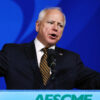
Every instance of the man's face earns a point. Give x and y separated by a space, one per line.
50 28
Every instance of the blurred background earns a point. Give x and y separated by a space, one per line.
81 34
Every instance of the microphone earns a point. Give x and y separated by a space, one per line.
51 58
52 62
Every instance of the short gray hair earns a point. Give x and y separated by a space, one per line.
43 13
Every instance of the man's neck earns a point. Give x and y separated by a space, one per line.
46 46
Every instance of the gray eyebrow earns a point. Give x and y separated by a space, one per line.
58 22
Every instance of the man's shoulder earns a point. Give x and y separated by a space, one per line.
15 45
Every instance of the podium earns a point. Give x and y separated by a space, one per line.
49 94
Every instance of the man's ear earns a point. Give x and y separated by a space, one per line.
37 25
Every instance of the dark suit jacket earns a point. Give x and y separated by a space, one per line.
18 64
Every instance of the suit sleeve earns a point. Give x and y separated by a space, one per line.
86 78
3 61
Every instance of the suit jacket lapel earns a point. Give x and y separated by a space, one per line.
31 54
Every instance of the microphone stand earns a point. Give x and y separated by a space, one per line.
52 62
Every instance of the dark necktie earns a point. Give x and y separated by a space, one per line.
44 68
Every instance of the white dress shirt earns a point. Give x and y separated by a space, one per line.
39 53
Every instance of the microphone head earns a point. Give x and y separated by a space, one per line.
51 52
51 58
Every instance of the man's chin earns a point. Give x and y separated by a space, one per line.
52 43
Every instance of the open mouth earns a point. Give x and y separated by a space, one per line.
53 36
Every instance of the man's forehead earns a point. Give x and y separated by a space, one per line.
56 11
54 14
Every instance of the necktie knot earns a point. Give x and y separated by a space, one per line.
45 50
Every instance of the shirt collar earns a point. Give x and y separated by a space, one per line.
39 46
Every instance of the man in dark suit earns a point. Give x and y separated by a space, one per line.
20 63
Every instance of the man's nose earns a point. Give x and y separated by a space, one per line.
55 27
